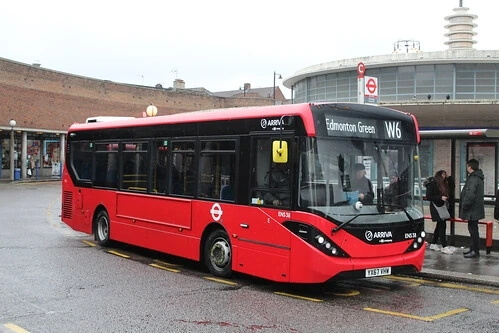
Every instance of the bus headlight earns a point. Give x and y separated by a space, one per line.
320 239
417 242
315 238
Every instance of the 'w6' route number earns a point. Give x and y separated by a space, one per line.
393 130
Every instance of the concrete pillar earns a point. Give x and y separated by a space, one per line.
63 151
12 154
24 154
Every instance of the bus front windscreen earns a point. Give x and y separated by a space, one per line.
336 174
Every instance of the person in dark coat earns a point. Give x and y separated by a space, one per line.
391 192
471 205
362 184
496 206
437 191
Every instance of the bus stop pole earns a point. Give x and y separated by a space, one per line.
456 182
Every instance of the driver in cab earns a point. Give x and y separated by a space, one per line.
362 184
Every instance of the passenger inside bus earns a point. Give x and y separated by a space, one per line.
227 191
391 191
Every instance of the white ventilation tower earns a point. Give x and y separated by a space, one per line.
460 28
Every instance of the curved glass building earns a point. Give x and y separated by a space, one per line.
409 75
453 93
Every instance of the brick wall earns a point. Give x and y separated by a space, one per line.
45 99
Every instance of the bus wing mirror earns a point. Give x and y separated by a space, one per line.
287 120
341 163
280 151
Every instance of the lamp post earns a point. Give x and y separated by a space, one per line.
151 110
273 92
12 123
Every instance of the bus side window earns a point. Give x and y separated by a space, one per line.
182 174
160 167
135 166
106 165
82 160
217 164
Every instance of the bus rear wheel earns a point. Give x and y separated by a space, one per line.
218 254
101 229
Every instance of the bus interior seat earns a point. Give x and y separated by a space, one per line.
313 195
227 193
337 193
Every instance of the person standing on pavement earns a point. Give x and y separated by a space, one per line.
496 207
437 191
471 206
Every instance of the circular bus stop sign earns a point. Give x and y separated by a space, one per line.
361 70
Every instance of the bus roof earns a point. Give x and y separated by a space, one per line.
302 110
99 119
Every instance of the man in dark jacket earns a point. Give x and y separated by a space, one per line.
496 206
362 184
471 206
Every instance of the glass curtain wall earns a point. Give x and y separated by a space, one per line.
434 82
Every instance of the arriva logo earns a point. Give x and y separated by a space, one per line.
270 122
377 235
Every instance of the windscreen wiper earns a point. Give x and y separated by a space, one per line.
409 217
345 223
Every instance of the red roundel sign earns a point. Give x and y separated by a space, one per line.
361 70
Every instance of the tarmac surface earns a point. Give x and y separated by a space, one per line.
483 270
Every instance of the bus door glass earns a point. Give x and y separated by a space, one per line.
270 181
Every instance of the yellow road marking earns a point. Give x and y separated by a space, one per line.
346 293
232 283
166 263
116 253
428 318
444 284
407 279
482 290
36 182
447 314
89 243
164 268
310 299
495 302
15 328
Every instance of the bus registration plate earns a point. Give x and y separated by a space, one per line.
371 272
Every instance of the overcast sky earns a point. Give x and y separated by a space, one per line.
221 44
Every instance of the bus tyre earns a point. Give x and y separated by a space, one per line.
218 254
102 228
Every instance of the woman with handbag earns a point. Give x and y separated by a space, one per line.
437 192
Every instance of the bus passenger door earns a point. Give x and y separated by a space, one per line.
263 242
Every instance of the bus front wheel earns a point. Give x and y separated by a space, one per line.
102 228
218 254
